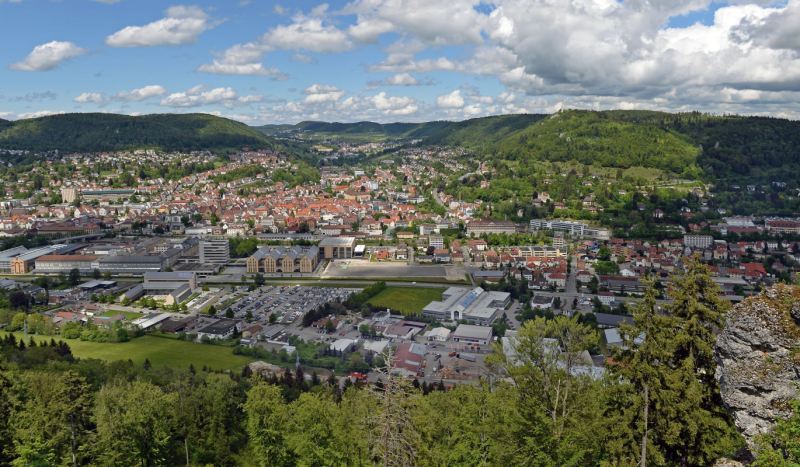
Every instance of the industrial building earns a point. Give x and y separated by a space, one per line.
475 306
131 264
172 287
54 264
169 280
471 334
270 259
21 260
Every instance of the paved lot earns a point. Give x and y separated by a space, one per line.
363 268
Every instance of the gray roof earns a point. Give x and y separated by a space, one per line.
607 319
337 242
473 332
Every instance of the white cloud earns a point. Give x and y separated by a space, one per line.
321 93
392 105
134 95
90 97
181 25
402 79
48 56
307 33
443 22
451 100
310 33
199 96
242 59
142 93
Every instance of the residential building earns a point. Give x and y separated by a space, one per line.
478 228
698 242
575 229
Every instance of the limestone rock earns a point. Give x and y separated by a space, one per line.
758 359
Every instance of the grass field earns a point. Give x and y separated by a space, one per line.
160 351
406 300
129 315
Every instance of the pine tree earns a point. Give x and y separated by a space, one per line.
667 408
640 364
696 429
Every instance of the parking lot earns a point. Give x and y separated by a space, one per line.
286 303
363 268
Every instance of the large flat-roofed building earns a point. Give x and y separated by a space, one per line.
155 281
24 262
283 260
622 284
475 306
698 241
471 334
215 251
131 264
538 251
7 255
66 229
108 194
222 329
478 228
575 229
64 263
337 247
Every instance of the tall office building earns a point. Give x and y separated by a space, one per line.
215 251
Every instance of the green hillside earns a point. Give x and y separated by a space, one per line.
716 148
92 132
692 145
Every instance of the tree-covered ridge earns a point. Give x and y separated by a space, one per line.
93 132
598 138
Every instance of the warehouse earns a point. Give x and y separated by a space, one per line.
469 334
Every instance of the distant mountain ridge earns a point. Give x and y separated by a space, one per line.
93 132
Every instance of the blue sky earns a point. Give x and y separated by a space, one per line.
397 60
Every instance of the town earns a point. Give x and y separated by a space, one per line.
272 255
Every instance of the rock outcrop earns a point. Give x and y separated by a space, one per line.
758 359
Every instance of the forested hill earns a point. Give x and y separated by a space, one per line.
690 144
92 132
716 147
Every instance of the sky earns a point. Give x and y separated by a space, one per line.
262 62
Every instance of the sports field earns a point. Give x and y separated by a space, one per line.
406 300
161 351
